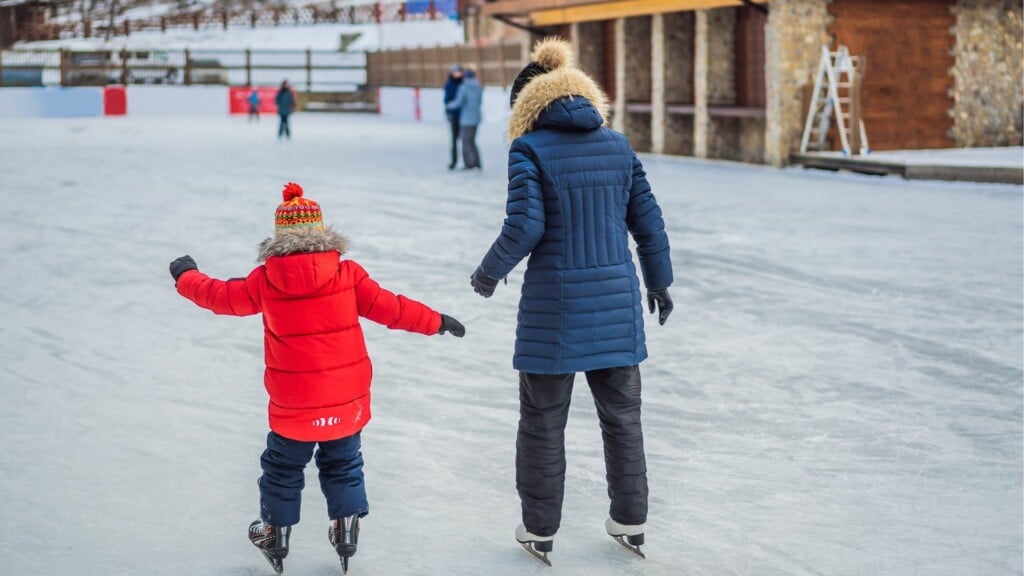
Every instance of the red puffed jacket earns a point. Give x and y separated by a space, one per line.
317 368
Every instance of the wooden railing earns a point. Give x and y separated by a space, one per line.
495 65
275 16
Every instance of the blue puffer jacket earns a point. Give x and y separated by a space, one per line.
575 191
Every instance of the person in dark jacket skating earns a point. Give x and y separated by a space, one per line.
286 102
451 88
576 190
317 372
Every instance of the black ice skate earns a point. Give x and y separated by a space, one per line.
538 546
272 541
630 536
344 536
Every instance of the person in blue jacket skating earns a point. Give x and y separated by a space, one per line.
576 191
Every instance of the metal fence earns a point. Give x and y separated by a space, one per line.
309 70
261 17
495 65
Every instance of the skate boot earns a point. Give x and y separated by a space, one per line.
629 535
538 546
272 541
344 536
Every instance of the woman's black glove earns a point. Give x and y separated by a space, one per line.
181 265
664 302
482 285
452 326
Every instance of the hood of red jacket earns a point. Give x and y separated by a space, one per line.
301 261
302 274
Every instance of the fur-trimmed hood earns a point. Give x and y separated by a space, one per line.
303 241
561 81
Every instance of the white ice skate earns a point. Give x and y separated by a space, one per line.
538 546
629 535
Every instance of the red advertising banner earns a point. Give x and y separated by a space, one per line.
239 96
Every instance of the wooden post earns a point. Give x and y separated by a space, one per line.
480 64
248 67
195 20
127 28
224 19
163 24
501 63
188 67
442 74
1 67
63 67
87 28
309 70
252 19
124 66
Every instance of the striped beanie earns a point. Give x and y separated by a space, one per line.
296 212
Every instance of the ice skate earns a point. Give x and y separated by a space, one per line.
344 536
630 536
272 541
538 546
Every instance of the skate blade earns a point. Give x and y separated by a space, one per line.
275 563
542 556
634 549
344 565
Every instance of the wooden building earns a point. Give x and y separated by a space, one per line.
732 78
17 16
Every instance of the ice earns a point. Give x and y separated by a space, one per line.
838 391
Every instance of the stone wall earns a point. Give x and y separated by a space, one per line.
794 34
679 57
721 56
988 101
638 80
588 41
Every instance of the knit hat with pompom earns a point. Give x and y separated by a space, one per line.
548 54
296 212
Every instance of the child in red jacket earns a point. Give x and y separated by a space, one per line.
317 368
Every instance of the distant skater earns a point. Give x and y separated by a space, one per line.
451 88
317 371
468 101
254 105
285 101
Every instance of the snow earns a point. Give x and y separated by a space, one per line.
837 392
391 35
1008 157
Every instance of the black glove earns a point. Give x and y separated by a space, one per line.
451 325
664 302
182 265
482 285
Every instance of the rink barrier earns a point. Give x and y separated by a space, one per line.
79 102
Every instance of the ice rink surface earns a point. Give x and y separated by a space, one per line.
837 393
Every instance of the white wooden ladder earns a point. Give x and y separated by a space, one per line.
836 92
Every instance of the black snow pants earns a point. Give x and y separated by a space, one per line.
540 446
453 121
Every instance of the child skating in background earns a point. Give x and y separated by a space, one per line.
317 368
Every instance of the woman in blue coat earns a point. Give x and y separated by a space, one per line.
576 190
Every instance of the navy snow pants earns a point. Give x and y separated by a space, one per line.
540 445
341 478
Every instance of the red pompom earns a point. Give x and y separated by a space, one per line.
292 190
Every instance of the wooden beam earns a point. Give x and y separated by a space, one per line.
524 7
624 9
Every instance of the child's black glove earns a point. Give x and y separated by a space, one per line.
449 324
482 285
181 265
664 302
